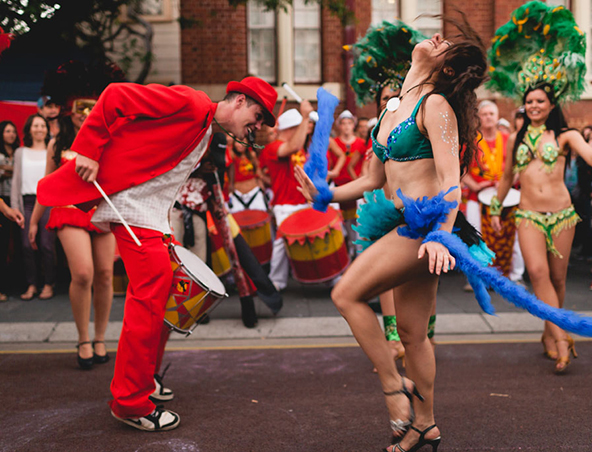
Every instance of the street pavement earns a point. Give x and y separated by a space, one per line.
307 315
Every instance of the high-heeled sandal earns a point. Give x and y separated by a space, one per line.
399 425
563 362
548 353
99 359
421 442
84 363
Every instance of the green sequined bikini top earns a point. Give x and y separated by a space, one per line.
528 150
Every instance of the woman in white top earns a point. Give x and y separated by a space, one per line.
29 168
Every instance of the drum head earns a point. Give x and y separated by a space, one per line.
246 218
308 222
199 270
512 198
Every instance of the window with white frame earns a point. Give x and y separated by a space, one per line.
262 42
425 23
385 10
307 42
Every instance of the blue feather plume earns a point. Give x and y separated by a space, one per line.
517 295
424 215
316 164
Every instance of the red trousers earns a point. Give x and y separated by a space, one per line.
143 336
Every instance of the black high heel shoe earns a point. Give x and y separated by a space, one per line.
84 363
399 425
421 442
99 359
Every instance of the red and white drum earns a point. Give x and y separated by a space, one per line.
255 227
195 291
315 245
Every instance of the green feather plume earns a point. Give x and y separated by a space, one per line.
540 44
382 57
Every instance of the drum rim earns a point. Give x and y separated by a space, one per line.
192 275
314 233
266 220
512 191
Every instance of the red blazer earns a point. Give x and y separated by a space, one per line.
136 133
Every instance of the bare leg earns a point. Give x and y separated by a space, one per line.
537 261
558 272
372 273
415 301
77 247
103 253
387 307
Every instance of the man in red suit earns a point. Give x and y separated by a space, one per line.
140 143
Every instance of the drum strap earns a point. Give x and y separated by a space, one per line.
247 204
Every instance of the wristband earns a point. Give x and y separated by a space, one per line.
495 209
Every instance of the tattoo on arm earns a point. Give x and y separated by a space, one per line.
449 135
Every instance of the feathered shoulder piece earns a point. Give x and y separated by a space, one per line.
382 57
540 45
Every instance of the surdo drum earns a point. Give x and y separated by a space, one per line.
195 291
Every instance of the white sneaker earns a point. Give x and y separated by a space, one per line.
159 420
161 394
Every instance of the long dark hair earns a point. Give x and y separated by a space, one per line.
467 58
14 145
556 120
27 137
64 138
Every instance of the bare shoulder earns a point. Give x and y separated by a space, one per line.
437 101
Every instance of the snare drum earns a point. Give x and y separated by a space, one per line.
195 291
315 245
502 243
255 227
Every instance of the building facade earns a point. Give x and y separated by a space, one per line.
303 45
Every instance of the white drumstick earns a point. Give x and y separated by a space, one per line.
292 93
104 195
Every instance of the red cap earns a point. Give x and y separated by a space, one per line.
259 90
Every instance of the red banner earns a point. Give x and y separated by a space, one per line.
17 112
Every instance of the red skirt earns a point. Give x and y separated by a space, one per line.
71 216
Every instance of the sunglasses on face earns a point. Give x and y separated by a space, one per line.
83 106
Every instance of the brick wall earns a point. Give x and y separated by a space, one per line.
333 53
215 51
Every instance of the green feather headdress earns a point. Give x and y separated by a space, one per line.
382 58
540 44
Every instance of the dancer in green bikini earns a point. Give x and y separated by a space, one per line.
540 149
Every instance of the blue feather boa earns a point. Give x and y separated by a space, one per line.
316 164
422 219
425 215
479 276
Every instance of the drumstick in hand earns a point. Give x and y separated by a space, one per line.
104 195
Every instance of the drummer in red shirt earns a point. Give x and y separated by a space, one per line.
280 157
125 144
355 150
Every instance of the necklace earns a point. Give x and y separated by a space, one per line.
250 138
395 102
533 136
